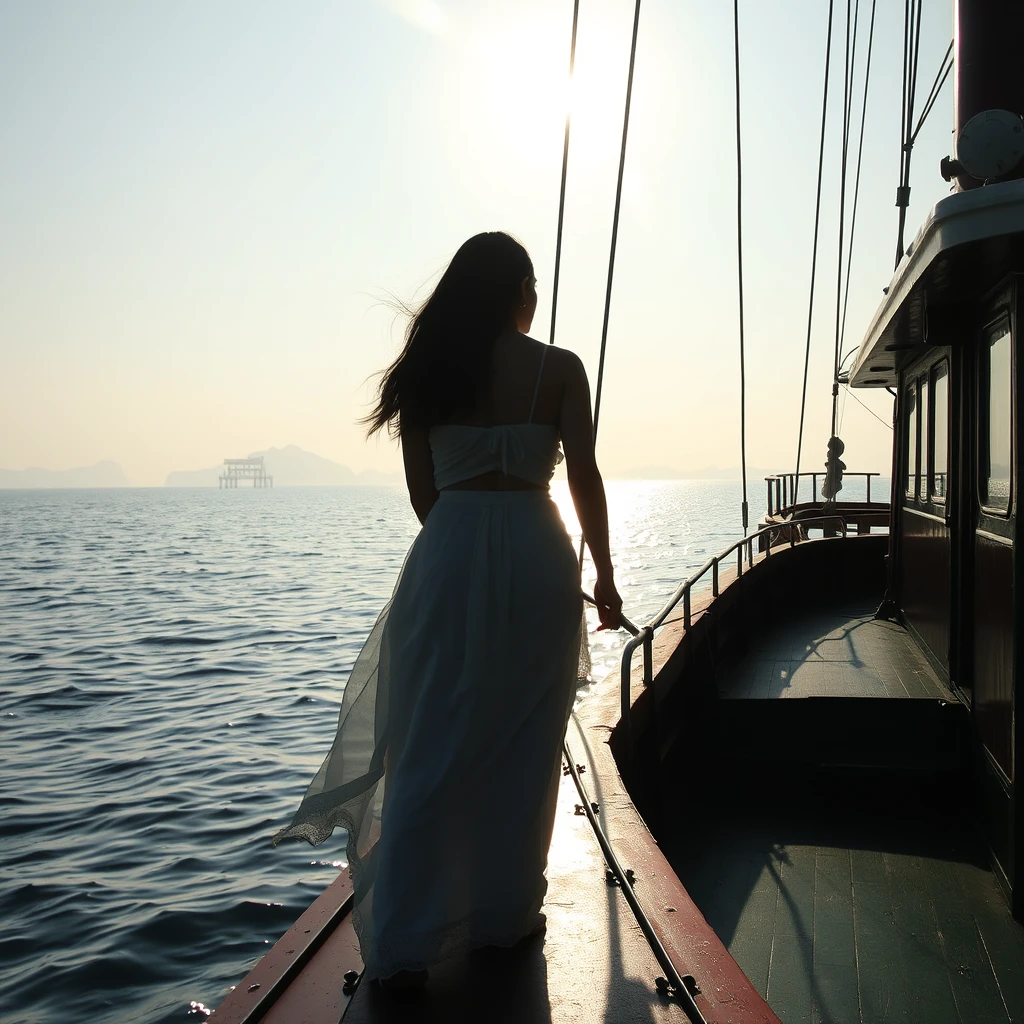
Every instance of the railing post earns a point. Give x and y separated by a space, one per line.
739 561
869 488
686 608
648 658
714 577
770 510
624 695
814 486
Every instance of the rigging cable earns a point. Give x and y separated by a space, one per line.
940 80
615 219
911 52
856 186
565 168
739 263
860 155
615 236
814 249
850 392
847 91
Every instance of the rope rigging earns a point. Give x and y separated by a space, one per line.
565 168
911 51
615 219
933 94
615 235
856 185
847 102
739 263
814 248
845 246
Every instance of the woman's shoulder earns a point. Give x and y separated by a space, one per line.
562 358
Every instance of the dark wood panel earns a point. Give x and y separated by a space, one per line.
925 583
993 647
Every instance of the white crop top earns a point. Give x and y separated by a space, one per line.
526 450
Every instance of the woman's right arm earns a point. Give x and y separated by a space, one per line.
576 425
419 470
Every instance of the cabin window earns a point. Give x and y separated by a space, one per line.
996 432
940 433
924 410
911 481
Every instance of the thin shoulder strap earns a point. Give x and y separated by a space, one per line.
536 389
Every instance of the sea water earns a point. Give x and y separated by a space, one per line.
171 665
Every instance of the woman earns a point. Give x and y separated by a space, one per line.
461 695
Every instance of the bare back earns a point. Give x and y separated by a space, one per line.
527 384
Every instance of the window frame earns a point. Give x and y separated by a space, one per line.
939 369
997 326
912 434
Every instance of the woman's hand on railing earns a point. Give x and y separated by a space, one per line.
609 604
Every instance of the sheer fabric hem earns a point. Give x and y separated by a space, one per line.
459 937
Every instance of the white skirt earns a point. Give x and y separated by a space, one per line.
445 765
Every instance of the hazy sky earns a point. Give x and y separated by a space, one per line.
202 205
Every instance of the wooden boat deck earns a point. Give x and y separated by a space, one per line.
839 858
832 652
592 964
854 915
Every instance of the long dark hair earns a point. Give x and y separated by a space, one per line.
442 372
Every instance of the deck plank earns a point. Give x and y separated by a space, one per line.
929 994
1002 942
791 970
837 653
834 942
971 974
757 919
882 989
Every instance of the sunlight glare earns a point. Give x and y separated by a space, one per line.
525 89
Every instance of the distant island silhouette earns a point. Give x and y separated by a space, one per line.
103 474
290 466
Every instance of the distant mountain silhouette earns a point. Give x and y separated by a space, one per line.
290 467
103 474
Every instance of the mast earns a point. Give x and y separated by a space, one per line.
988 36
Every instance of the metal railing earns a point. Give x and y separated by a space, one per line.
681 986
783 488
644 635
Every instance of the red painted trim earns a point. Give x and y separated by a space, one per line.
727 995
318 996
253 998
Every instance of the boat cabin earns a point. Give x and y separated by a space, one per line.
944 340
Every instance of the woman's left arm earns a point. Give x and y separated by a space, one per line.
419 470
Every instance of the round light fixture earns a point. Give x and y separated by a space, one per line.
991 144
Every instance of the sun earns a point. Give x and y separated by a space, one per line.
524 92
